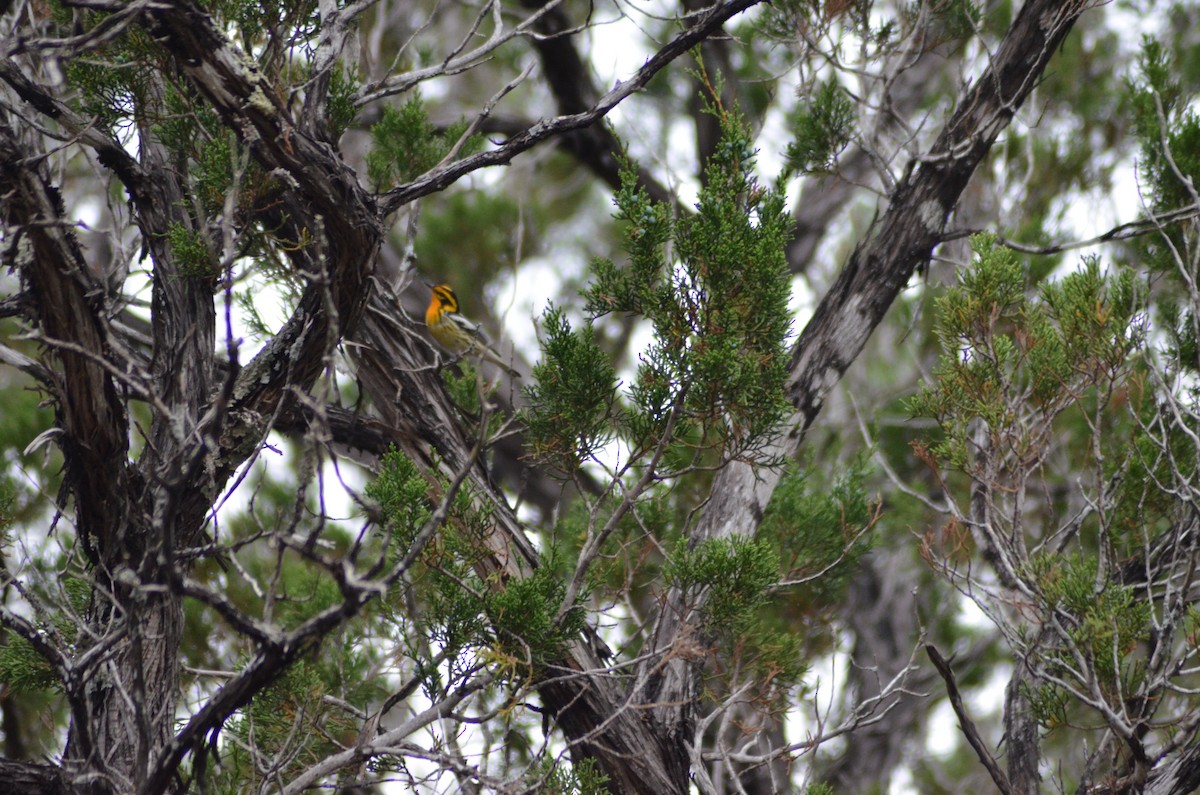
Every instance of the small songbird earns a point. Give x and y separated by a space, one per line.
457 334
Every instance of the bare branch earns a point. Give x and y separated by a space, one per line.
438 179
965 722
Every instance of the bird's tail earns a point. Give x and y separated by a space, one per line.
490 355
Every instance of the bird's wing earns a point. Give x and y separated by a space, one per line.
473 329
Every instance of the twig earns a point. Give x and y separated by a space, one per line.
1124 231
965 723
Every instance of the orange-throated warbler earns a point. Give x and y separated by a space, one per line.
457 334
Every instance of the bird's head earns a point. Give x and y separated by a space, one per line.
444 298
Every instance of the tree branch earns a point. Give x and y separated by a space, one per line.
90 410
574 91
438 179
323 205
21 778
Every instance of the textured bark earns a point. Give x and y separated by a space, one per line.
1021 734
1179 775
111 736
901 242
65 301
325 200
570 82
122 683
822 200
22 778
651 757
130 701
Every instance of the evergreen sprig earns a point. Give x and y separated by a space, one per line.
1005 354
405 144
714 286
514 626
821 129
572 398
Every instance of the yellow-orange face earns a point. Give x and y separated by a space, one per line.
442 301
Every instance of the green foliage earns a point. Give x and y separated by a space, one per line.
406 145
713 377
24 413
79 594
523 618
1106 623
22 668
714 286
341 107
110 91
1048 704
1103 619
257 327
1142 508
570 412
945 19
297 692
580 778
736 574
193 256
1169 131
1168 128
305 592
1037 365
8 501
819 528
256 19
213 169
401 490
471 236
289 720
853 21
632 557
1183 347
468 389
1050 374
1092 323
821 128
514 625
1191 624
1005 354
195 134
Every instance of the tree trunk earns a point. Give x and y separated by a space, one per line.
129 693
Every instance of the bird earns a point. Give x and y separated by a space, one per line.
457 334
